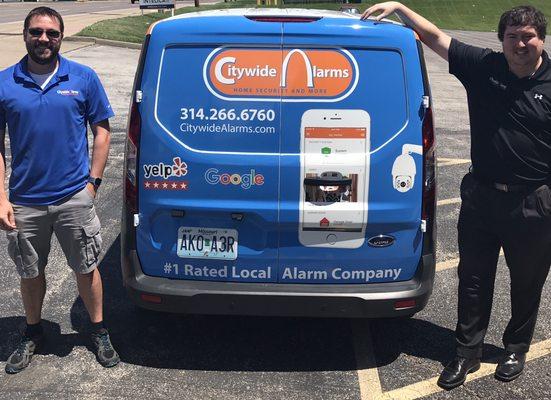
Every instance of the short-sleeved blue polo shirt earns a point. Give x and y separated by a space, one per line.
47 130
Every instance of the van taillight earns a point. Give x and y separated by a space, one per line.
131 162
429 168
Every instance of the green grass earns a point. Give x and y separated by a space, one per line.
133 29
471 15
476 15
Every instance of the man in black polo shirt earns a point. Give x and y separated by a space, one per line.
506 200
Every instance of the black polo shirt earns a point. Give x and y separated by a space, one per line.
510 117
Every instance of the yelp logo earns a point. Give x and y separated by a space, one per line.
213 177
165 171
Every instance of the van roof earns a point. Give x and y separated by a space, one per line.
268 12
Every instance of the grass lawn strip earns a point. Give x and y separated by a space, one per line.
470 15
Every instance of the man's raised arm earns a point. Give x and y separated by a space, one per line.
429 33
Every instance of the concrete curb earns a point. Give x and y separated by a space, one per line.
104 42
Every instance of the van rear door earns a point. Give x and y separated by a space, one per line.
351 166
209 152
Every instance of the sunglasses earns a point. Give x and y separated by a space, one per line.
51 33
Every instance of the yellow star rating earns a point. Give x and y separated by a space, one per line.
165 185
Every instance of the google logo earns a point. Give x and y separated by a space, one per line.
245 181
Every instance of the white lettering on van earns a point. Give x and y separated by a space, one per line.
205 272
296 273
309 78
330 72
227 73
251 273
218 70
365 275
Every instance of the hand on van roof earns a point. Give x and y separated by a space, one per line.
429 33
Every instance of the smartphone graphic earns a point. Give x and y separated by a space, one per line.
334 184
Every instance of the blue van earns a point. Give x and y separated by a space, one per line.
280 162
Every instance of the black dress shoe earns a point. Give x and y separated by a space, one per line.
456 371
510 367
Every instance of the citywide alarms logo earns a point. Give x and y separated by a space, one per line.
274 74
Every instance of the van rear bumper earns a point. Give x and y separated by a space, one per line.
375 300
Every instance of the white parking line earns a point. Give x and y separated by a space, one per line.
444 162
452 263
370 383
444 265
444 202
429 386
368 376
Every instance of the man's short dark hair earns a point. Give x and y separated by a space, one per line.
43 12
522 16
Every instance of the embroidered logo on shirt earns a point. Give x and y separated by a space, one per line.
68 92
497 83
538 96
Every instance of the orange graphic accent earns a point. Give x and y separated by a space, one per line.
340 133
292 73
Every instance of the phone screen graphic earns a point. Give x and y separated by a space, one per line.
334 157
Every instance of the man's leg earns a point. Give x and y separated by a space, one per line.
527 248
77 228
33 291
28 247
479 249
91 291
528 258
478 254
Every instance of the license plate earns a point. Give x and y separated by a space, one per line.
214 243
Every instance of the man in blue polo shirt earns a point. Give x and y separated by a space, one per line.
46 102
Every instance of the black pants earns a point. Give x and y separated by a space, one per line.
520 223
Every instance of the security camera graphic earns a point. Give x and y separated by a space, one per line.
403 169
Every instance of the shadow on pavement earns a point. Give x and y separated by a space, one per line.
230 343
55 343
418 338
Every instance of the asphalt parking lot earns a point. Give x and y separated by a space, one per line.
212 357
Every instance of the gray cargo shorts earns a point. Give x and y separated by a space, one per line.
75 224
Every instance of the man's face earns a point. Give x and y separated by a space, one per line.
43 39
522 47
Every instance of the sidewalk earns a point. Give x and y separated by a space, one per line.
13 47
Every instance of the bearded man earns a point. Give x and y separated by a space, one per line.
46 102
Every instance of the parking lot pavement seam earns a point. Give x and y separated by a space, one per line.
429 386
79 48
104 42
368 377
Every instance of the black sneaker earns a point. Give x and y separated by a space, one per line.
105 353
21 357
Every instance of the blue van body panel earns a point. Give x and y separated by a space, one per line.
193 153
385 91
